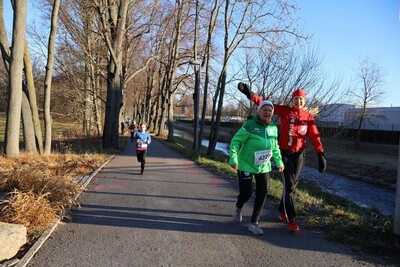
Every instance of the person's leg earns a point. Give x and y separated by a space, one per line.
245 191
262 180
290 181
245 188
298 161
139 155
143 163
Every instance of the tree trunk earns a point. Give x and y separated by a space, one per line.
113 19
358 134
171 118
211 28
27 123
4 45
171 70
212 143
31 94
163 110
157 115
15 79
113 105
215 129
98 104
47 83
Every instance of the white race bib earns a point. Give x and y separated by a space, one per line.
142 145
260 157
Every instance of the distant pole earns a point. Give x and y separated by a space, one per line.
397 202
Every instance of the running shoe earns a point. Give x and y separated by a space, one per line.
237 214
282 217
293 227
255 229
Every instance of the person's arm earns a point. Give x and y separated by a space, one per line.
315 137
313 134
276 152
136 137
256 99
236 143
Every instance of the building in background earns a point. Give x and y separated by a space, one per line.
345 115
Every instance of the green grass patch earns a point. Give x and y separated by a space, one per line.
59 129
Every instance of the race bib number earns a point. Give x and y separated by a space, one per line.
142 145
260 157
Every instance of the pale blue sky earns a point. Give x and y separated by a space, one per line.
343 32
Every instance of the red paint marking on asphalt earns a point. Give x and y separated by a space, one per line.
104 187
215 182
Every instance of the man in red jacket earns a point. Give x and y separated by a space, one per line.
296 123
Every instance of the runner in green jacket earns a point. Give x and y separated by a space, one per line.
251 149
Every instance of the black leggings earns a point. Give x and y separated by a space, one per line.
246 190
293 162
141 157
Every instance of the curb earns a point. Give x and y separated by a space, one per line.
46 234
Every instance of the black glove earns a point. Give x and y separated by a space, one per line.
321 162
245 89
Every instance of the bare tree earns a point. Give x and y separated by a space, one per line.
30 91
113 16
114 25
169 87
274 74
15 78
253 21
369 91
207 63
48 78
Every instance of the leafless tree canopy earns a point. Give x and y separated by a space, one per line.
115 60
369 90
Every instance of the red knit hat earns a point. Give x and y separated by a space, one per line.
299 92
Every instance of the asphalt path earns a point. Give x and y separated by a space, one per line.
177 214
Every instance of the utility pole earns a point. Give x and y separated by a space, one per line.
396 229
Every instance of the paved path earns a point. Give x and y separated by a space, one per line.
177 214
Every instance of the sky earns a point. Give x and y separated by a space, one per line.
346 30
343 32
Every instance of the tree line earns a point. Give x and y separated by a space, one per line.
111 59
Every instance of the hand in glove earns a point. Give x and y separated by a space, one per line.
245 89
321 162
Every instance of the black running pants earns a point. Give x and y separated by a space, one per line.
246 189
293 162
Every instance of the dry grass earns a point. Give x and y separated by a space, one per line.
33 211
42 188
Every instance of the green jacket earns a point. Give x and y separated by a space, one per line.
253 145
